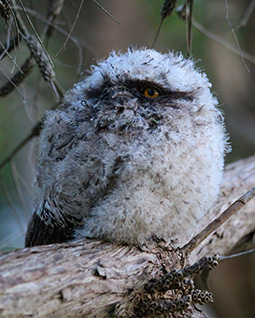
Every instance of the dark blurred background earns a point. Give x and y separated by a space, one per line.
94 35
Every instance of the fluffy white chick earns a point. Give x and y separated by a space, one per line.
135 150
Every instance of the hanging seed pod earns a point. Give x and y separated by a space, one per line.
41 58
166 11
5 9
18 78
168 8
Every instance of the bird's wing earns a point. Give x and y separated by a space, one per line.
39 233
84 181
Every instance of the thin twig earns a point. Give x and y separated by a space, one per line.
225 258
157 34
189 25
61 30
216 223
245 18
222 42
5 51
247 56
8 47
235 37
14 19
105 11
185 12
71 31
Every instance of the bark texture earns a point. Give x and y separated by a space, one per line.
96 279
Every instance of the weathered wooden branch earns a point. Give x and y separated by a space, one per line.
97 279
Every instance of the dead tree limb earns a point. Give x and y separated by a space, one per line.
98 279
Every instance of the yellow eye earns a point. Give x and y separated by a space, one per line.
151 92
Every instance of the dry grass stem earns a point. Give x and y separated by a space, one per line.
6 48
70 32
222 42
106 12
189 15
235 37
247 15
166 11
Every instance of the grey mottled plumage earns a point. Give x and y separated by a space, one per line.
135 150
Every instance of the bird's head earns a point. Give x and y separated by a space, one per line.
144 90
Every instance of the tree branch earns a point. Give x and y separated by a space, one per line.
216 223
97 279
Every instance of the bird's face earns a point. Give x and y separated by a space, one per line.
143 90
134 104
